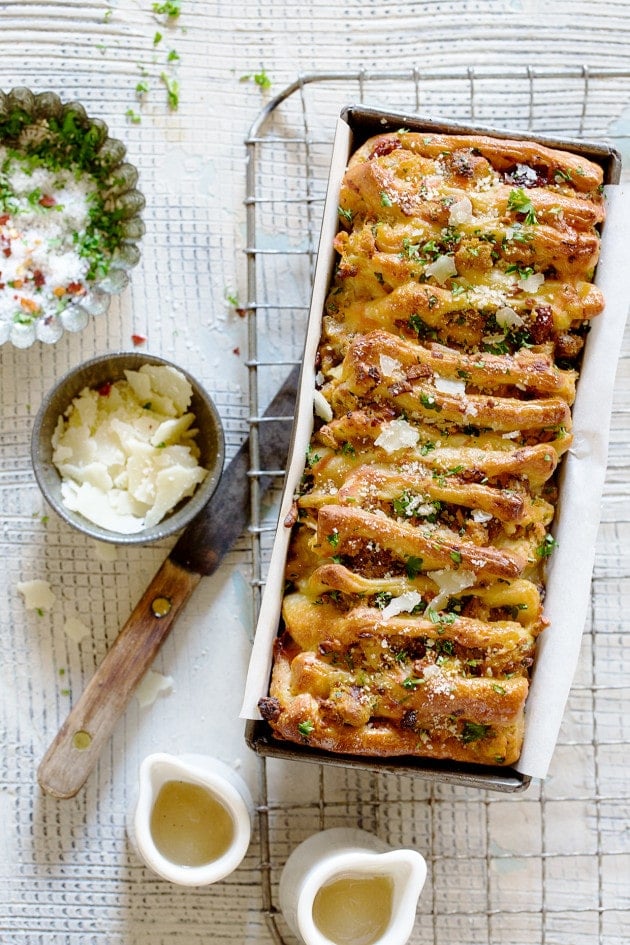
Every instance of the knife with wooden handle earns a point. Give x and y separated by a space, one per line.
199 550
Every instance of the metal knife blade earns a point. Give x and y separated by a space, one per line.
76 748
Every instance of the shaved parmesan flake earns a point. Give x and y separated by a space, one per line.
126 453
532 283
388 365
405 603
442 269
506 317
322 407
152 685
75 629
449 583
37 594
478 515
396 435
461 212
449 386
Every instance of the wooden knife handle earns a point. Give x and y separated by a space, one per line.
78 744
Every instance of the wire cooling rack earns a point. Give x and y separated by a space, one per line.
551 866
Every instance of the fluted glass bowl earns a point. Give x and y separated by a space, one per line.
69 217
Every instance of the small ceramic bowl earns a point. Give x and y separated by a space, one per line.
68 188
93 374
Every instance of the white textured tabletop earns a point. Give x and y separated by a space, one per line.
551 865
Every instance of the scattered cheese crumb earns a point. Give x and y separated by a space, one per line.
75 629
322 407
449 583
404 603
37 594
478 515
449 386
152 685
461 212
532 283
442 269
506 317
388 365
396 435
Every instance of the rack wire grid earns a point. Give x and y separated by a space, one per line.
552 865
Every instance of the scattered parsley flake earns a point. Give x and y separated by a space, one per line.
305 728
413 566
171 8
547 546
133 117
474 731
261 79
142 87
386 200
519 201
172 90
157 39
173 56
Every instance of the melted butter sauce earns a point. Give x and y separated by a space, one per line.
189 825
354 910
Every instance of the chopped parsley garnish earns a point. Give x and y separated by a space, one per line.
412 682
413 566
348 449
522 271
306 728
474 731
519 201
170 8
333 539
133 117
172 90
429 402
261 79
456 557
546 547
382 599
561 176
142 87
386 200
345 214
417 324
173 56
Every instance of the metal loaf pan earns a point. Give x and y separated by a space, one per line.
356 124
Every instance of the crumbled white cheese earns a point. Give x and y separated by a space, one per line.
322 407
404 603
396 435
532 283
450 386
506 317
37 594
151 686
388 365
512 435
478 515
442 269
449 583
461 211
319 379
126 453
525 174
75 629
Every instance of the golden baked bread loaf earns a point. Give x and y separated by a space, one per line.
446 370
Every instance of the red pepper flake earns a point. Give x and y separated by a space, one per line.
104 389
39 278
4 218
75 288
236 351
138 339
7 251
47 201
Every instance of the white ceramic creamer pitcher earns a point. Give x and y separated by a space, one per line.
345 886
193 818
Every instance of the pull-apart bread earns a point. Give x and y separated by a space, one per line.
446 374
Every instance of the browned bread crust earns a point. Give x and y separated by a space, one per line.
448 359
